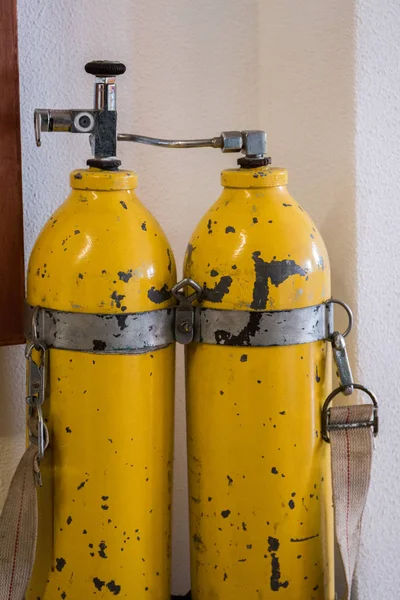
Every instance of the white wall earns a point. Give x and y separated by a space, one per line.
378 279
321 77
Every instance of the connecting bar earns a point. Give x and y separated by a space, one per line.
252 143
215 142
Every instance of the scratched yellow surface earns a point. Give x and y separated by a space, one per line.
260 498
105 505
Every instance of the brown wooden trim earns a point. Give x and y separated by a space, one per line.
11 215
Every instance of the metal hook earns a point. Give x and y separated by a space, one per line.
348 311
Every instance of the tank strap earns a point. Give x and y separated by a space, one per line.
137 333
350 431
263 328
18 529
126 333
19 517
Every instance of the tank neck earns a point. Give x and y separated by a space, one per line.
261 177
98 179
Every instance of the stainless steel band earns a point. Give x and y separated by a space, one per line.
133 333
263 328
137 333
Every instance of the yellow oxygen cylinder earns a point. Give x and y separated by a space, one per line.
101 274
259 478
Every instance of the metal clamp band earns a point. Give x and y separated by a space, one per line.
136 333
263 328
131 333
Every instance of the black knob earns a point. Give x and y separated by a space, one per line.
105 68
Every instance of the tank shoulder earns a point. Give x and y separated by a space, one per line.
101 251
258 249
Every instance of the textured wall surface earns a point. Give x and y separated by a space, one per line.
322 78
378 280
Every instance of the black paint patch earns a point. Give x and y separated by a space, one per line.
283 204
122 203
275 579
209 224
63 595
225 514
255 220
230 480
60 564
98 584
317 377
69 520
311 537
243 338
101 552
219 290
291 504
76 231
169 260
244 526
117 298
104 506
243 358
121 320
81 485
78 176
143 226
214 273
189 258
274 471
125 277
99 345
273 544
68 429
159 296
277 271
113 587
230 229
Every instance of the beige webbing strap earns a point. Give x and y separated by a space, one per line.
18 529
351 454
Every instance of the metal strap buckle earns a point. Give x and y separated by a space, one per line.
36 384
184 311
327 426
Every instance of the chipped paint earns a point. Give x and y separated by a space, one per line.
217 293
275 271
